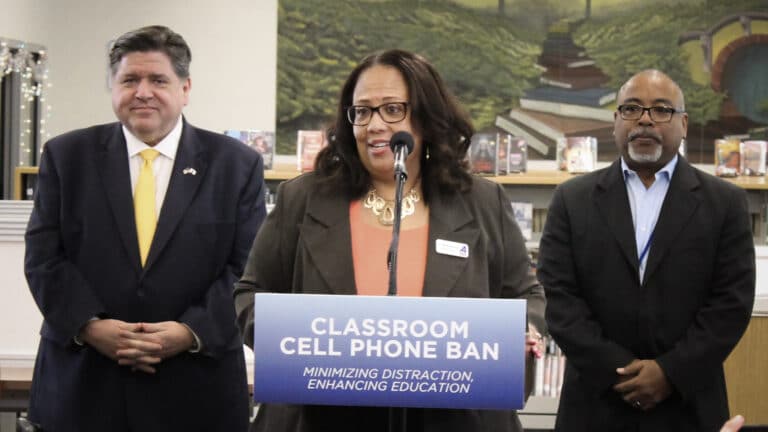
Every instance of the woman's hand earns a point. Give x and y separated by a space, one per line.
534 342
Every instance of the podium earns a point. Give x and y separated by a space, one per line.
389 351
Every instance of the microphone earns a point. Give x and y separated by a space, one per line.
401 144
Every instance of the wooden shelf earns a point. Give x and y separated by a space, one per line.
753 183
275 175
530 178
535 178
746 375
18 181
539 413
15 377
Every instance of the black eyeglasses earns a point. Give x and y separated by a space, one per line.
390 112
659 114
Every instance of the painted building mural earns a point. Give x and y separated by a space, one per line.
540 69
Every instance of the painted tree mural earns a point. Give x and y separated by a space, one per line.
488 51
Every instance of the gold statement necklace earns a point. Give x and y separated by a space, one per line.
384 210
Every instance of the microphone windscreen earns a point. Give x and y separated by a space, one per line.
401 138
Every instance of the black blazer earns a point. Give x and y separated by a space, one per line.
82 260
305 247
688 314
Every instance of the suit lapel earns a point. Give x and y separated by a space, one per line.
182 188
112 166
328 241
678 207
327 226
449 219
612 202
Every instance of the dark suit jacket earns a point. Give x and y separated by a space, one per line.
305 247
689 312
82 260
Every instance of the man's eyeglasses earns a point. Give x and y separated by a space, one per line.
390 112
659 114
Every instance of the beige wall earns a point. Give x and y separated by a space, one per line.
16 18
234 63
234 55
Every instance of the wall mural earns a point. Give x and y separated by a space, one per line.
540 69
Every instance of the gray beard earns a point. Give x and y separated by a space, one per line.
645 157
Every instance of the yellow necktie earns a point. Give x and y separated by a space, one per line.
144 203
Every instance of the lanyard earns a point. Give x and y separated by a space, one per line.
645 249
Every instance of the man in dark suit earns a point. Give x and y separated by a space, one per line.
139 230
649 271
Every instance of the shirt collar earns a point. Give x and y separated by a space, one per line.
167 146
667 170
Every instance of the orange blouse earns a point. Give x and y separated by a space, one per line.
370 245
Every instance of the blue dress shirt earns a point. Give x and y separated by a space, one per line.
646 206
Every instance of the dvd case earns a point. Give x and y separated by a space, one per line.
753 157
577 154
517 160
308 145
259 140
483 154
727 157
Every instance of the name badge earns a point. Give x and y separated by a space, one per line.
456 249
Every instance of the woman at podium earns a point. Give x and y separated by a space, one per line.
331 228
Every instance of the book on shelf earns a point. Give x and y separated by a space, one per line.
308 145
727 157
523 212
503 147
539 220
560 371
753 157
483 154
577 154
259 140
517 156
549 370
512 154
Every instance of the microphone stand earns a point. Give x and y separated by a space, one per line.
397 415
400 178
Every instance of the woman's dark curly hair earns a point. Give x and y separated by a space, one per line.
444 126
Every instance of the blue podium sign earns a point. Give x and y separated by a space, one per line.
389 351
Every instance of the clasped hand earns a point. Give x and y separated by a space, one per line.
139 345
643 384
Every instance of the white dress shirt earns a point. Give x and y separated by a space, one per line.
161 167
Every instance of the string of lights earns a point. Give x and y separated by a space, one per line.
30 62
